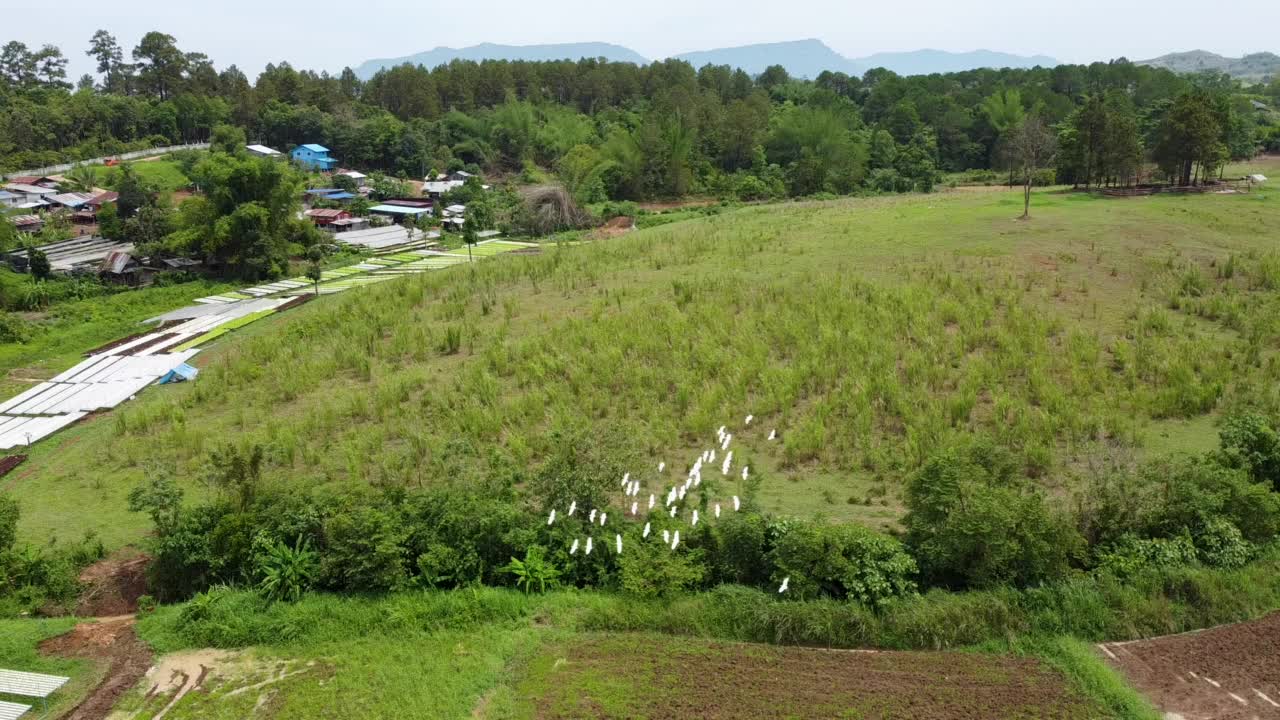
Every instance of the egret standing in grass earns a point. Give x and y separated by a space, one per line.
748 420
744 472
652 500
588 551
662 466
735 503
634 506
666 537
553 516
592 517
785 582
573 550
675 540
773 434
695 517
626 478
573 506
717 510
618 538
645 534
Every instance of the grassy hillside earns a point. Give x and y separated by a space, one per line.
868 332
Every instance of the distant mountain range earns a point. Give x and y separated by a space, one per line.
801 58
1253 67
490 51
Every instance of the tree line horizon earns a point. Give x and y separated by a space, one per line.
618 131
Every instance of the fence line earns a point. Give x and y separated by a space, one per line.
55 169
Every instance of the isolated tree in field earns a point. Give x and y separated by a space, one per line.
1033 146
134 194
314 272
469 237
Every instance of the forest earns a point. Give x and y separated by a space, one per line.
617 131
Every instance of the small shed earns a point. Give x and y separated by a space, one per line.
28 223
122 268
359 178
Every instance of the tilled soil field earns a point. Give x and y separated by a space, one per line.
660 678
1227 673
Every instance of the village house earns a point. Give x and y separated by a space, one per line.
313 157
8 199
359 178
324 217
29 193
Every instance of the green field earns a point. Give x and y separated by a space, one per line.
160 174
868 332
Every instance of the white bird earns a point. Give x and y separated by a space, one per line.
626 479
603 516
652 499
785 581
588 551
735 503
744 472
662 466
666 537
727 439
683 491
695 517
773 434
646 530
592 517
749 419
674 508
634 507
675 540
553 516
720 431
618 537
717 509
573 506
712 457
574 549
671 497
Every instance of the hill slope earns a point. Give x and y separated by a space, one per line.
490 51
868 332
1254 67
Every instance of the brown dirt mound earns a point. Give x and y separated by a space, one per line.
1227 673
614 227
608 676
113 585
111 641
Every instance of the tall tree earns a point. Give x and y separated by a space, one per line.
115 73
1189 138
1004 112
160 64
51 67
17 64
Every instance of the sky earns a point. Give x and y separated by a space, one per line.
331 34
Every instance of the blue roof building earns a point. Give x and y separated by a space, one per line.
313 157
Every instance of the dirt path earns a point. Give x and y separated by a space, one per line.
1225 673
109 640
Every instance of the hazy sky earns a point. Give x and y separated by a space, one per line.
327 34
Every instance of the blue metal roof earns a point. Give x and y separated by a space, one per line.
316 148
339 196
323 191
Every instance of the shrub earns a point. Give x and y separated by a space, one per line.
362 550
9 512
843 561
653 570
972 522
1250 441
284 572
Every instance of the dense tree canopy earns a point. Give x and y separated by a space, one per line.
621 131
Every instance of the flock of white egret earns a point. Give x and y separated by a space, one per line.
675 495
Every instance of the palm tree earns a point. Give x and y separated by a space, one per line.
82 178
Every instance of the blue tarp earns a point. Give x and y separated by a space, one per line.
181 373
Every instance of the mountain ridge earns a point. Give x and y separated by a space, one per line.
803 58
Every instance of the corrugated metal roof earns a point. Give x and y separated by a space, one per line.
27 684
316 148
116 261
5 195
20 220
24 189
325 213
12 711
263 149
72 200
398 210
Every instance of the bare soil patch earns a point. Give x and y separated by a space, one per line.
114 584
1226 673
111 641
660 678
